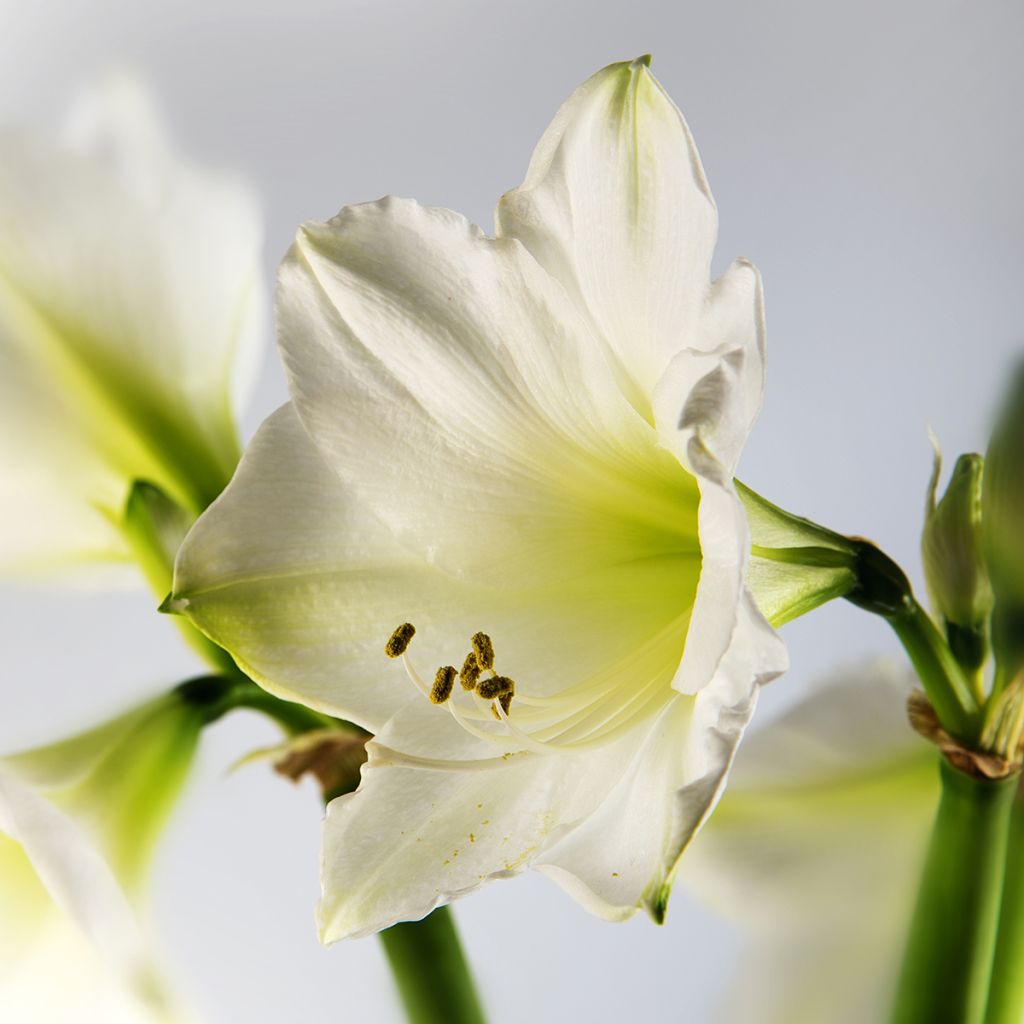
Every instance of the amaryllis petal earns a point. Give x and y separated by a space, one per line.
616 206
481 423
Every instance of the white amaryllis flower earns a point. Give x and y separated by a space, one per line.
77 821
532 436
130 302
816 852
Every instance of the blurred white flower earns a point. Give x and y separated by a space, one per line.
816 851
77 823
533 436
130 315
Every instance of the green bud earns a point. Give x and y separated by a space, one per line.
1003 500
952 547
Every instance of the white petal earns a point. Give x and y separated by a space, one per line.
129 294
451 383
709 395
705 404
421 831
75 875
616 206
303 585
834 798
626 854
619 859
73 946
300 582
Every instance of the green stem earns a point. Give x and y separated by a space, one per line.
1006 991
947 686
431 971
949 954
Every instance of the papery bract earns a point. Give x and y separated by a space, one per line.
532 435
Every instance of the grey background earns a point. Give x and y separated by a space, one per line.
868 158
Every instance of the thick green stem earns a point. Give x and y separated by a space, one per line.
431 971
1006 992
948 961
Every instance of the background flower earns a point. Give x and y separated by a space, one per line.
130 309
816 848
78 820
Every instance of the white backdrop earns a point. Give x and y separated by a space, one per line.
869 159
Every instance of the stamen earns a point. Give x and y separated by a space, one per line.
470 672
444 683
417 680
484 651
590 713
495 687
399 640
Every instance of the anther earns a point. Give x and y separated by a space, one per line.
399 640
505 700
484 651
470 672
495 687
444 683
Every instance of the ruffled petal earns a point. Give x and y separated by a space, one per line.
705 405
616 206
423 830
454 387
626 854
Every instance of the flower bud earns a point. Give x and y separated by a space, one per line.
1003 499
952 549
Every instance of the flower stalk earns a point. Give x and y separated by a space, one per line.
950 953
431 971
1006 989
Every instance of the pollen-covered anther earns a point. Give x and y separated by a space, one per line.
484 651
444 683
399 641
470 672
505 700
495 687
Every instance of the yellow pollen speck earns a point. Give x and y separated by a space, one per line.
444 683
615 874
472 837
470 672
399 640
484 650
